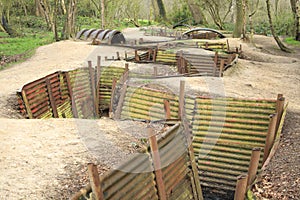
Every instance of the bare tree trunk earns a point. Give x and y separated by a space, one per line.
69 28
63 6
102 14
239 20
161 8
278 41
296 14
197 13
37 8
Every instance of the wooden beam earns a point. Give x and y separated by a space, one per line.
157 165
52 99
95 182
73 103
253 167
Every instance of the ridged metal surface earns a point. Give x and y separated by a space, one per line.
37 95
82 92
105 84
109 36
147 104
134 180
225 131
174 156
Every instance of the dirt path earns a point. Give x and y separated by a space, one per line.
47 159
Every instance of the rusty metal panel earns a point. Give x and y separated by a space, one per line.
105 84
65 110
82 92
225 131
166 57
134 179
36 96
175 162
148 104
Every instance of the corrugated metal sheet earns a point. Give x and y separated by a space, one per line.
82 92
175 161
105 84
225 131
35 97
148 104
134 180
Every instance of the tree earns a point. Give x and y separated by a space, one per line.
216 8
295 8
159 10
239 22
197 13
278 41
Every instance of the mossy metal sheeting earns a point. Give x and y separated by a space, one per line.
225 131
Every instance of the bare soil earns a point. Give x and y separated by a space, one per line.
46 159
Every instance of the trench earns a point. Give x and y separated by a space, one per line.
227 132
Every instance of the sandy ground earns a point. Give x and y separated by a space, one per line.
44 159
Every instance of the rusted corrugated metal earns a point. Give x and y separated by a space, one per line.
80 81
225 131
36 96
105 84
109 36
176 166
136 178
148 104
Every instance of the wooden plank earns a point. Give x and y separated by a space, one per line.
222 65
270 136
157 165
95 182
181 100
93 87
121 101
74 108
114 84
51 98
27 105
167 109
253 167
241 187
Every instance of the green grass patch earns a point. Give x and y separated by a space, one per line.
22 47
292 41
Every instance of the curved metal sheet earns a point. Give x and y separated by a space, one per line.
204 29
110 36
80 33
88 33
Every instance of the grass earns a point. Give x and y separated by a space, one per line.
24 46
292 41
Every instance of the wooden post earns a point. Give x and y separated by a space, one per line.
95 182
121 101
195 172
126 55
197 44
241 187
93 87
181 99
118 56
253 167
155 55
141 40
73 103
136 56
155 71
222 65
279 109
206 45
126 67
51 98
228 48
241 48
167 109
114 84
215 64
98 61
157 165
270 136
149 54
105 58
27 105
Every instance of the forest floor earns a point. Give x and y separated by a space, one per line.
43 159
